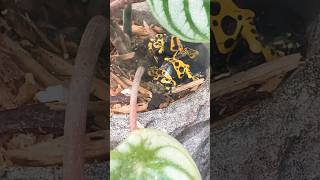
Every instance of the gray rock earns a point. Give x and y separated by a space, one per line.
186 119
280 138
93 171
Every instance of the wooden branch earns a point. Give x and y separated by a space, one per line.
255 76
26 61
76 112
51 152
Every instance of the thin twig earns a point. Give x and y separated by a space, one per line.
134 97
63 46
118 38
127 23
40 33
119 4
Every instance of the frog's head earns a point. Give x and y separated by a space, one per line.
156 44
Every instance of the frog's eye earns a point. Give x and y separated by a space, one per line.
160 42
159 36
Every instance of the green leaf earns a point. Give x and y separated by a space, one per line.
186 19
151 154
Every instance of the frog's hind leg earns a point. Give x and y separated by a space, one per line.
168 82
155 73
160 75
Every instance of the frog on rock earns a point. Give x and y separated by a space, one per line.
172 61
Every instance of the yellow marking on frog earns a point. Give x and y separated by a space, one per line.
180 68
175 44
226 38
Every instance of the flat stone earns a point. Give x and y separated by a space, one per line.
278 139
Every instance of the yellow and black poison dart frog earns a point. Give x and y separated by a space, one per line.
229 24
173 61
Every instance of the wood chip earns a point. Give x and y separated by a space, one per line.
93 106
27 62
141 90
27 91
51 152
123 57
271 84
126 108
11 78
115 91
119 81
4 163
62 67
188 85
255 76
41 34
143 32
163 105
20 141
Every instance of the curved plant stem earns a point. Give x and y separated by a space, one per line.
76 110
134 97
